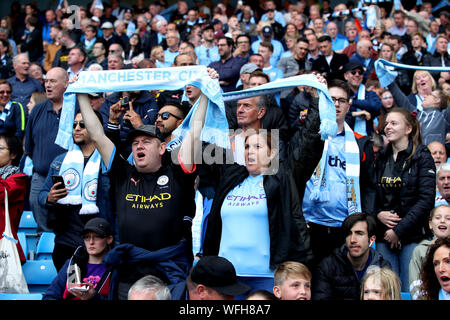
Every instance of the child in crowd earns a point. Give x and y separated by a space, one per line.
292 281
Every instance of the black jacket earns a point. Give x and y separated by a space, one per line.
417 194
336 279
6 67
336 68
435 60
33 45
289 237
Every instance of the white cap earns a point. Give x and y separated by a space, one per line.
107 25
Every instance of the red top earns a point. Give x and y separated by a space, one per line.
16 186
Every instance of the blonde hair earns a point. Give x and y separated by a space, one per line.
416 74
158 47
290 269
389 280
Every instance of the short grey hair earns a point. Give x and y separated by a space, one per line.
16 57
152 283
95 66
443 167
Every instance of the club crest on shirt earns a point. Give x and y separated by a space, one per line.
162 180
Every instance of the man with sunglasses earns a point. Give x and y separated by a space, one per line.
169 117
366 104
65 219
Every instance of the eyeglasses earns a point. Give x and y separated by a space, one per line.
95 238
81 123
339 100
7 92
359 72
166 115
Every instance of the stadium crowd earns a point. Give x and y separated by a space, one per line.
362 215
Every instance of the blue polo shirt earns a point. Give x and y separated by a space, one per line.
206 56
21 91
40 135
169 56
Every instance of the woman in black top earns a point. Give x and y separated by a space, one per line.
406 189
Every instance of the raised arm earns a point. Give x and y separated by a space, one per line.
95 129
191 147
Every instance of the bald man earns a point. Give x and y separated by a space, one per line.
363 55
40 135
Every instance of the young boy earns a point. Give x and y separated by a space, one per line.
292 281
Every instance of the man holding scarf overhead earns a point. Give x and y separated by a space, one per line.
154 199
342 183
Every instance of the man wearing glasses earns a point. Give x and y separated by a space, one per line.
325 217
66 219
243 49
228 67
366 104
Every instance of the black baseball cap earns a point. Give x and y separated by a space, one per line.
207 26
267 31
219 274
98 225
353 65
145 129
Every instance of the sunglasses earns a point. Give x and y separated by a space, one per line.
7 92
387 97
166 115
81 123
359 72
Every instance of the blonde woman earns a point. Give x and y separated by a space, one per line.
380 284
157 55
423 85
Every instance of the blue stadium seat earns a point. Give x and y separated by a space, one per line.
23 242
27 223
28 226
406 296
20 296
39 274
45 246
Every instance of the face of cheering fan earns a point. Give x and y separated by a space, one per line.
258 154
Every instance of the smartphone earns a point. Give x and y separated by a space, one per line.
125 103
56 179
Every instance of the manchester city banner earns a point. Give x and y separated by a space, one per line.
215 128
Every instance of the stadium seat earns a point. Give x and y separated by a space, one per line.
20 296
406 296
45 246
28 226
23 242
39 274
27 223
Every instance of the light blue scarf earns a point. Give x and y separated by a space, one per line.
360 123
386 75
322 188
81 181
327 110
5 112
216 126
